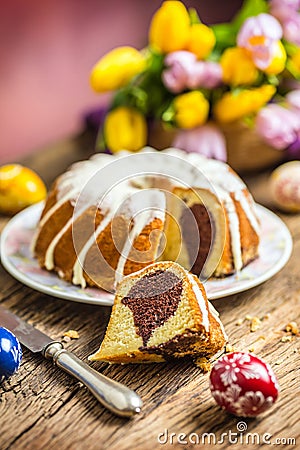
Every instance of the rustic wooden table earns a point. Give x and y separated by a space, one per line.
41 407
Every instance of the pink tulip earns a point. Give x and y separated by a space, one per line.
291 28
282 9
204 74
278 126
259 35
179 65
286 11
185 72
206 140
293 99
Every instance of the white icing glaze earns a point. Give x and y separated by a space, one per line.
248 209
215 313
201 301
48 214
144 215
142 208
234 226
78 277
49 257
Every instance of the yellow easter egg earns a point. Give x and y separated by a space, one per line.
19 187
285 186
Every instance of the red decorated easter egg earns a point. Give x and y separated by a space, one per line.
243 384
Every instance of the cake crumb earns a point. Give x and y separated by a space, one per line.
72 334
266 316
255 324
286 338
278 362
229 348
239 321
251 349
292 327
262 337
66 339
203 364
248 317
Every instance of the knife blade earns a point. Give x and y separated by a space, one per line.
115 396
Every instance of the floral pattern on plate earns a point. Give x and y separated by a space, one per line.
16 257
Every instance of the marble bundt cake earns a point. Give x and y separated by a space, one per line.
160 312
114 214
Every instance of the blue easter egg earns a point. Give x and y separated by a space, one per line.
10 353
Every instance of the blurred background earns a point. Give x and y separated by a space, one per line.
47 49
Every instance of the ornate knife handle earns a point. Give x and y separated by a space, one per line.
113 395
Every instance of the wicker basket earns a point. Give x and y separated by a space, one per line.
245 149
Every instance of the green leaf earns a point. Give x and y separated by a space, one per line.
290 48
194 17
249 8
100 141
273 79
292 70
225 36
249 121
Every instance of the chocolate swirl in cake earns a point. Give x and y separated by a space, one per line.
204 225
153 300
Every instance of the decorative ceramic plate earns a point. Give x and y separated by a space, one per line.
275 250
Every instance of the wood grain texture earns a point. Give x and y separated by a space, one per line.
43 408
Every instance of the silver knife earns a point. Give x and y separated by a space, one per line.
113 395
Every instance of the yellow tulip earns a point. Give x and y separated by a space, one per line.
125 129
278 62
294 64
191 109
201 40
170 27
116 69
19 187
234 106
238 67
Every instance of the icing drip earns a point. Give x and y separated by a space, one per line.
48 214
49 257
127 201
78 277
201 301
248 209
235 236
215 314
142 218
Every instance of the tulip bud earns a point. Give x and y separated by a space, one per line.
238 67
201 41
291 28
277 126
279 59
191 109
125 129
294 64
206 140
205 74
258 35
116 69
234 106
170 27
179 65
293 99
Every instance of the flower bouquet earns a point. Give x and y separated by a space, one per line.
217 90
